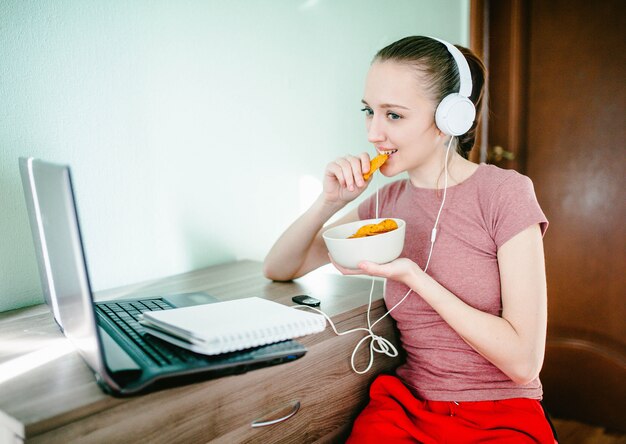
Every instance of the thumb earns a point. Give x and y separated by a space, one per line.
373 268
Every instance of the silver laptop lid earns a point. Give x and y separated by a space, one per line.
59 249
28 184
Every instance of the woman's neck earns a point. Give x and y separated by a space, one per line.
432 175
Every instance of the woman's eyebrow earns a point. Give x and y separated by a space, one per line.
387 105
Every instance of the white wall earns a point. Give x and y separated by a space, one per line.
192 127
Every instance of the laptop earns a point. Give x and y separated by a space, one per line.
124 358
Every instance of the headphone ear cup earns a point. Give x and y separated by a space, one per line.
455 115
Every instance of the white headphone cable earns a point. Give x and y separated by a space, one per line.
433 233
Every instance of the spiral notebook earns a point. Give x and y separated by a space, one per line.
223 327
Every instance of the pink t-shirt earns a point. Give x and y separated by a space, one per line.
479 216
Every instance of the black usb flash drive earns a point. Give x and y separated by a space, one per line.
304 299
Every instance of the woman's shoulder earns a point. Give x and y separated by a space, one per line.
500 188
495 178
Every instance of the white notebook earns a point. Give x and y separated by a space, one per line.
223 327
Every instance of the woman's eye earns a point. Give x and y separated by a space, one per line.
394 116
368 111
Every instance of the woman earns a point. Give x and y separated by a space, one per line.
474 325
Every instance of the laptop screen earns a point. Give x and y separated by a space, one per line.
51 206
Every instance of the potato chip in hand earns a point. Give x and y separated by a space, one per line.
376 163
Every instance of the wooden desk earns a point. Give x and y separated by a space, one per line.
48 394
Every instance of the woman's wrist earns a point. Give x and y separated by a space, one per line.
326 209
418 279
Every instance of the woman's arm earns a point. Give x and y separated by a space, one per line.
301 247
515 342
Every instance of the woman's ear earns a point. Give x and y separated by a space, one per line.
440 134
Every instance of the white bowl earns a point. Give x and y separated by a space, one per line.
381 248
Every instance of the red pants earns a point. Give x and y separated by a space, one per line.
394 415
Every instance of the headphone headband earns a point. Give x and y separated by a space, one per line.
464 71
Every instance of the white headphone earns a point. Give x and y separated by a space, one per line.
456 112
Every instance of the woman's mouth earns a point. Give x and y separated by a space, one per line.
388 152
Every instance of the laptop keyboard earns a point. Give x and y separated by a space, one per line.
126 316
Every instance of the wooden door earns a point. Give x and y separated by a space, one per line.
558 105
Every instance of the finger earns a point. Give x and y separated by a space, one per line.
348 174
365 162
344 270
334 170
357 168
374 269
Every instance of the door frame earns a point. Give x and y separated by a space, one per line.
505 85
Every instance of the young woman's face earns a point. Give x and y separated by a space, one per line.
400 119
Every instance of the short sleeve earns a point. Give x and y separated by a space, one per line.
514 208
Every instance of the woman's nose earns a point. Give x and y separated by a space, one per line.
375 131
